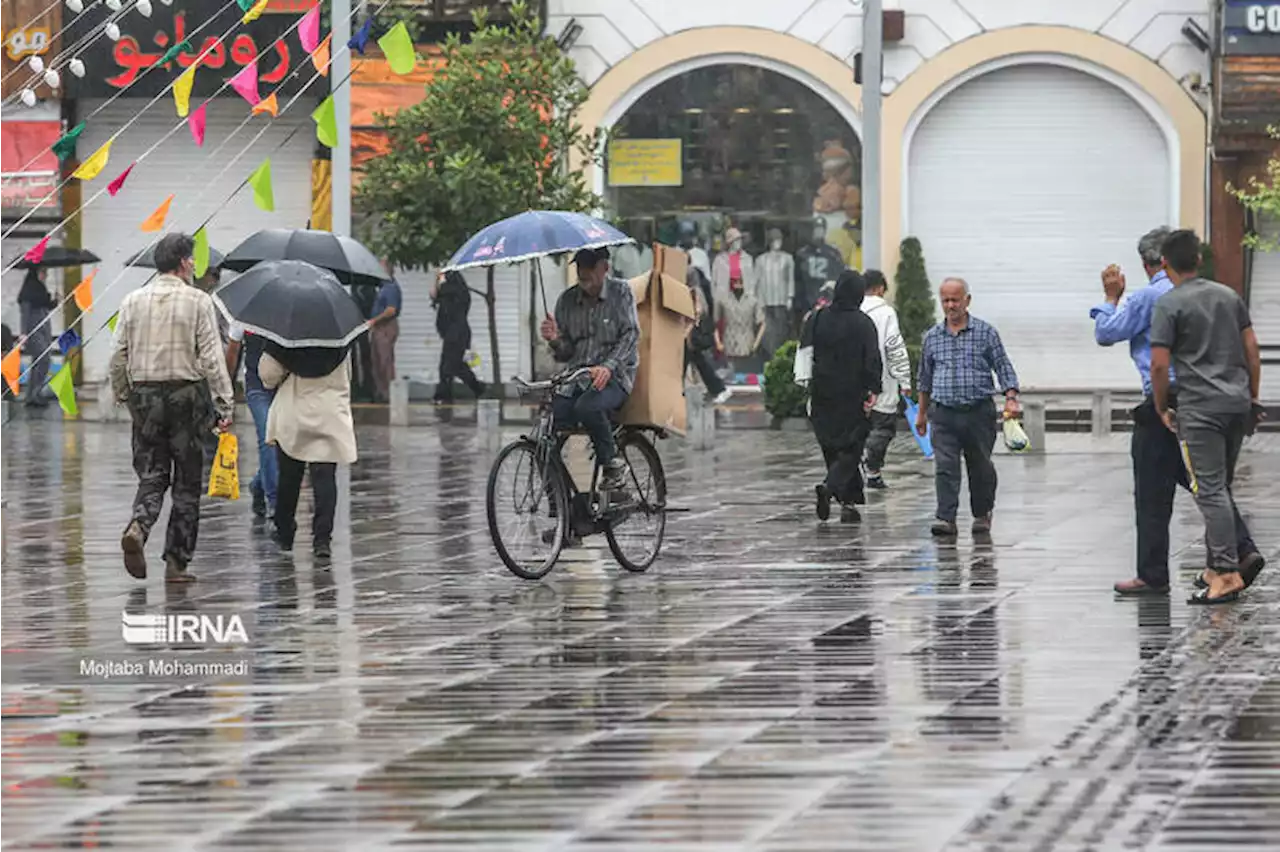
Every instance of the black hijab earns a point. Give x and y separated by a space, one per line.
33 291
851 287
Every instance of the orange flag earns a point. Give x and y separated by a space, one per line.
12 368
83 294
155 222
320 56
267 104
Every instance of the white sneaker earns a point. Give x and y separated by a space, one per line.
722 397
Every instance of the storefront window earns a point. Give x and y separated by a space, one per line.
736 146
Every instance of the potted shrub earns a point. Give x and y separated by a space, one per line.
783 398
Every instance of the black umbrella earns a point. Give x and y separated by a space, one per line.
146 259
61 256
294 305
351 262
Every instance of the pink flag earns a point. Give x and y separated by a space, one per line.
116 184
246 83
35 254
309 29
196 122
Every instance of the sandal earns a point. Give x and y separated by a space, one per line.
1250 567
1201 598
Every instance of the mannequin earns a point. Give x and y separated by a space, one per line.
742 319
776 290
698 257
816 263
732 263
635 259
848 237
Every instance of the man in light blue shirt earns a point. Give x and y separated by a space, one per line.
1157 460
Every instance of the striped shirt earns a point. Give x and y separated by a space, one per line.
775 279
167 331
955 369
602 332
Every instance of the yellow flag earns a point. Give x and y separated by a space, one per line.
260 180
83 294
182 90
155 222
93 166
256 12
61 386
397 46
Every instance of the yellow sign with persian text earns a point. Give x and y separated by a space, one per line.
645 162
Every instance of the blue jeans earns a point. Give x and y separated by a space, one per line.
590 408
268 475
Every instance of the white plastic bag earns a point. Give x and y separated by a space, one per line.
802 371
1015 437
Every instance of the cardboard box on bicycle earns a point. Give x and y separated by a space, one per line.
666 311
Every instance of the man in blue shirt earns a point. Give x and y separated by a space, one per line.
956 363
384 328
1157 460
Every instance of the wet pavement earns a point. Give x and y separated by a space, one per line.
771 683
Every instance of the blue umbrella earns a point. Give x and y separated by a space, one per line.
538 233
925 443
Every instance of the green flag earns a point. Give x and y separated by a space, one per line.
201 252
183 46
260 180
326 123
397 46
111 322
65 147
245 5
61 386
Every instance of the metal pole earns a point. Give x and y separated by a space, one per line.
341 154
872 61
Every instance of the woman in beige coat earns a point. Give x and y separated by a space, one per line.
310 424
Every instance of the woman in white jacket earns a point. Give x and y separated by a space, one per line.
896 378
310 424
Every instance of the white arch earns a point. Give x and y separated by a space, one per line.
1124 84
619 108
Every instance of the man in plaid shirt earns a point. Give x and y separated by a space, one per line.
959 356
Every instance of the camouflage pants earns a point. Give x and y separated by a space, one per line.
170 420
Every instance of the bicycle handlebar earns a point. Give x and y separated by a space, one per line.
553 382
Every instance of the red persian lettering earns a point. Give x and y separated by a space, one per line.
275 75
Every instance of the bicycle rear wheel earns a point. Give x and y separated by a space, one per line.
528 511
636 537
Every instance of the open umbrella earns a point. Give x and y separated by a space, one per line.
537 233
294 305
146 259
347 259
60 256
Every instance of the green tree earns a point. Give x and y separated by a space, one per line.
913 297
1263 196
784 398
493 136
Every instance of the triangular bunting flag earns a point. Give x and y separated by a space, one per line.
182 90
397 46
200 254
171 54
268 104
35 254
309 29
196 122
119 180
255 11
67 341
66 144
326 123
83 294
61 386
358 41
155 222
245 5
246 83
111 321
320 56
11 366
93 166
260 180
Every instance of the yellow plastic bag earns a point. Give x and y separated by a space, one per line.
224 479
1015 437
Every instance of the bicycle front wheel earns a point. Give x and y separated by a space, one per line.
636 537
528 510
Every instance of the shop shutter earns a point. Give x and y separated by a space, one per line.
1264 308
178 166
1027 182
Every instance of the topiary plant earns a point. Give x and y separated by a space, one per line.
784 398
913 297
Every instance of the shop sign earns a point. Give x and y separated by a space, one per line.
1251 28
30 172
119 65
31 41
645 162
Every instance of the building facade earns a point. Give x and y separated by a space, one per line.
1027 145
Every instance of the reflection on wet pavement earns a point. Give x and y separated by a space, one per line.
770 684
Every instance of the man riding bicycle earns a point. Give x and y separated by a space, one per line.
596 326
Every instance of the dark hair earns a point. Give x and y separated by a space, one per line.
590 257
1181 251
874 278
171 251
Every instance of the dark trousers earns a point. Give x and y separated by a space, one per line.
844 473
590 409
170 420
1212 444
453 365
700 361
324 493
883 428
1158 470
970 433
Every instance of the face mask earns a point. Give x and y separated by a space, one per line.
776 245
736 245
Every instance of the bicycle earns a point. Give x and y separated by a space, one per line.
548 507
